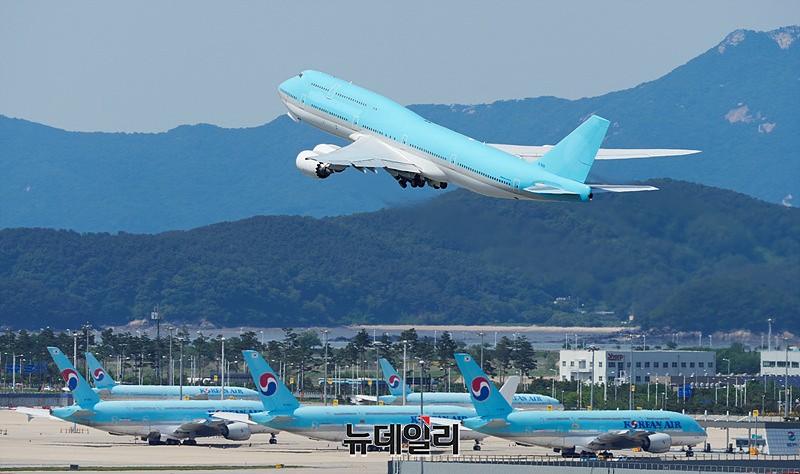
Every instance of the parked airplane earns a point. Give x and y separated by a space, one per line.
152 420
528 401
575 431
109 389
283 412
416 151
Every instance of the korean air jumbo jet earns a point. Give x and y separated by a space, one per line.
283 412
108 389
155 421
526 401
575 431
415 151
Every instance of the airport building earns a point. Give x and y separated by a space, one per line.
777 362
618 366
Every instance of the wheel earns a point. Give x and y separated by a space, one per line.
273 441
477 447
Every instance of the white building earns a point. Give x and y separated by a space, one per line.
619 365
776 362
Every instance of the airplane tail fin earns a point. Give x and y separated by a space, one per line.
81 391
275 396
393 379
102 379
573 156
488 401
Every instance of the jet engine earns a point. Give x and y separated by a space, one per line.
236 431
309 166
657 443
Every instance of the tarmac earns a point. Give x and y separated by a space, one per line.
47 444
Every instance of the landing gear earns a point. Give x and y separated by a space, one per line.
190 442
476 446
172 442
273 439
418 181
689 452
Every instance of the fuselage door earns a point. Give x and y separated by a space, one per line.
405 139
516 184
453 158
355 120
333 90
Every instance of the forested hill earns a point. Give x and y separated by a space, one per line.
687 257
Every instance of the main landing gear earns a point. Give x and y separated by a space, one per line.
476 446
273 439
418 181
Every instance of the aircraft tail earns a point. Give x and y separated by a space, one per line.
573 157
81 391
101 378
393 379
488 401
275 396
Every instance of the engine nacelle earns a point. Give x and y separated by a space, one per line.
657 443
236 431
310 167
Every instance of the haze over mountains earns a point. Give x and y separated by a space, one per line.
736 102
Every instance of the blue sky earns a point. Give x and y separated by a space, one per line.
152 65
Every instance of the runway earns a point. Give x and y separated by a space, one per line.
49 443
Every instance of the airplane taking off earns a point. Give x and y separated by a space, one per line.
152 420
527 401
282 411
415 151
574 431
108 389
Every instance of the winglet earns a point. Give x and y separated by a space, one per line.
102 379
573 156
274 394
488 401
81 391
393 379
510 388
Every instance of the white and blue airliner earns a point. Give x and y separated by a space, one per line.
108 388
416 152
573 432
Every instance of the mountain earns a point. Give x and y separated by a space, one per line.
688 257
736 102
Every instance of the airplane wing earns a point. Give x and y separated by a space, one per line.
619 438
189 427
36 413
533 153
362 399
233 417
365 153
510 388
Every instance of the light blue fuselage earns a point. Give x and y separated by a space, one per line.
145 417
138 392
329 423
523 401
343 109
567 429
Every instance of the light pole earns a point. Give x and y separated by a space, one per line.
553 390
481 334
729 364
14 371
648 387
180 365
325 333
404 371
592 348
769 337
786 400
222 373
171 364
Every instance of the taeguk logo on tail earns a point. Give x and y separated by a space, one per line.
394 381
71 377
480 388
267 384
99 375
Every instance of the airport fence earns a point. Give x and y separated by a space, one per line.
487 464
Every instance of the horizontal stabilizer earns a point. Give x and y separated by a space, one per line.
623 154
621 188
36 413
